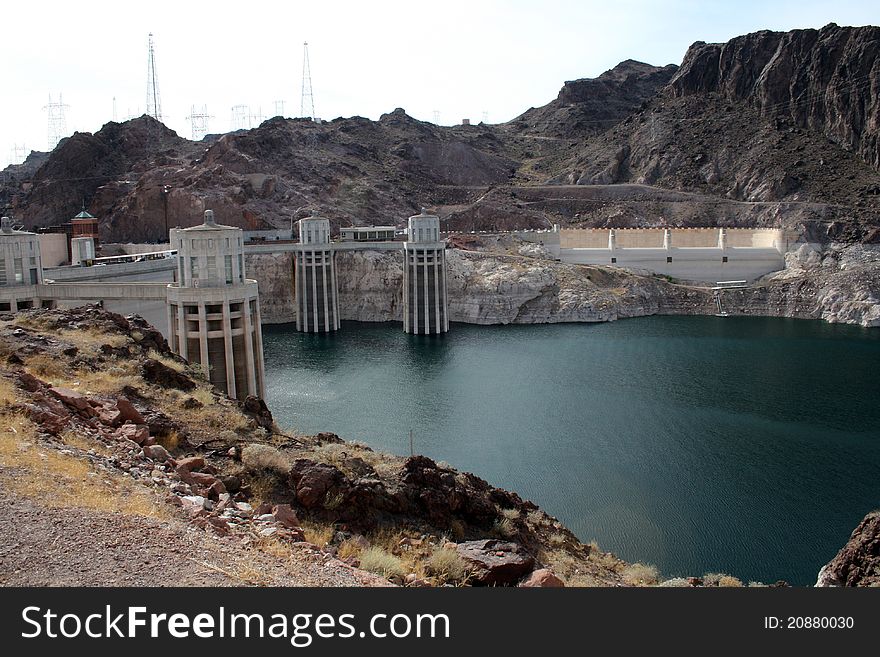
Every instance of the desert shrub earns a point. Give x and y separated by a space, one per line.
318 534
510 514
379 561
447 565
263 457
639 573
720 579
505 528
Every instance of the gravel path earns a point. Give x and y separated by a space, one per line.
43 546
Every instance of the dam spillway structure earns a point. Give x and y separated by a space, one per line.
317 299
214 311
21 268
424 277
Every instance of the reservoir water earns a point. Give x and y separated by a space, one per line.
749 446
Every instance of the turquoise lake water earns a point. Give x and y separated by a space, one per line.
749 446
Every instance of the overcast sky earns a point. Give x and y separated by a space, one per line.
461 59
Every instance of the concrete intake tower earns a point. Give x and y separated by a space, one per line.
317 303
214 311
424 277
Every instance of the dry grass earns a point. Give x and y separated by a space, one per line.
106 382
504 528
381 562
57 372
511 514
256 457
457 529
274 547
583 580
245 572
49 368
639 574
318 534
9 393
60 480
170 363
447 566
561 562
338 455
407 545
349 548
170 441
535 518
204 395
212 417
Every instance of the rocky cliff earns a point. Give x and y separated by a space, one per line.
497 288
858 562
837 283
824 80
591 105
274 275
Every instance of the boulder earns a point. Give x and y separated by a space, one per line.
29 382
74 400
127 412
256 409
190 463
133 432
494 562
232 483
314 481
285 516
202 478
166 377
542 578
157 453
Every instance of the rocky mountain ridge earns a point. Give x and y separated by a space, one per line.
788 119
825 80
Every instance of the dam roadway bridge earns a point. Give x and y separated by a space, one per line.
702 255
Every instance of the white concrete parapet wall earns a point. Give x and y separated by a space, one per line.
549 239
693 254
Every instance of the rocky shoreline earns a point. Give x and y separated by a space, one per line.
99 418
521 285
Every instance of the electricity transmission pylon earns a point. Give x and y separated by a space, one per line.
307 102
154 105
